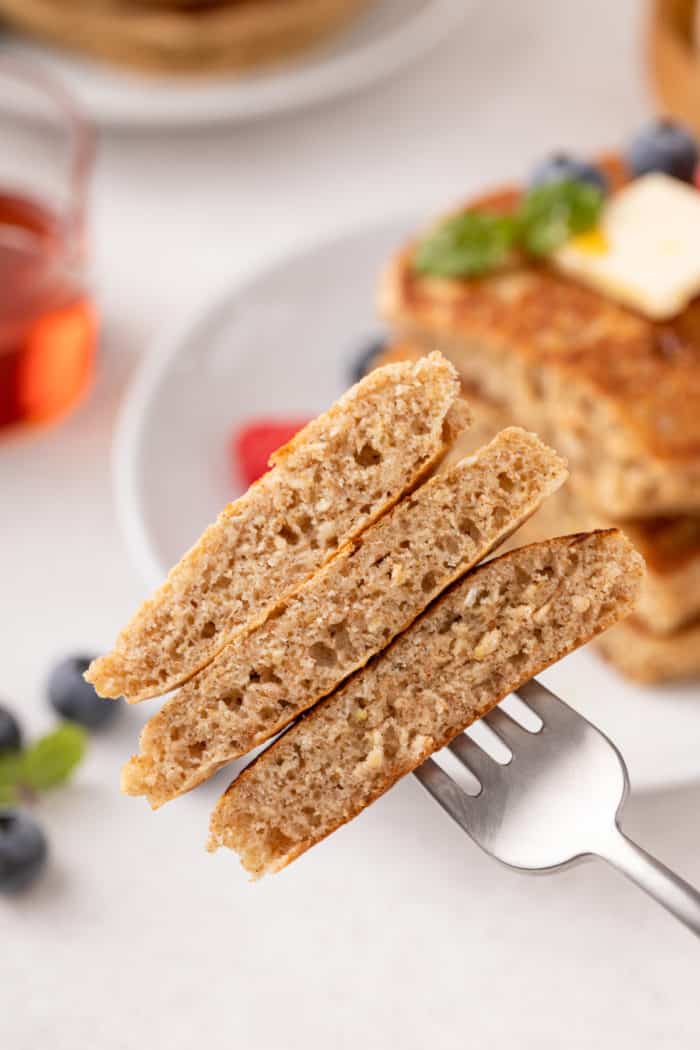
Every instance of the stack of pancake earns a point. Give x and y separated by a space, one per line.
339 599
616 393
183 36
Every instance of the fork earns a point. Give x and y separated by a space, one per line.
557 800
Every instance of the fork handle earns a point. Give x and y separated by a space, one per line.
673 893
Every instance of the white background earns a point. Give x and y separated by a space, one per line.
396 932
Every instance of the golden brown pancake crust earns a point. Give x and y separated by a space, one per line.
667 544
649 370
184 38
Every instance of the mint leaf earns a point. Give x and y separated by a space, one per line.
475 242
48 762
549 215
466 245
52 759
10 776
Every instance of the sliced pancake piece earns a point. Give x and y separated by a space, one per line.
670 596
670 546
492 631
343 615
648 657
339 474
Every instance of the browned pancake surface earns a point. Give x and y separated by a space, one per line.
650 370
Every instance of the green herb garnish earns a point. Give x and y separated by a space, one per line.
466 245
549 215
475 242
44 764
10 776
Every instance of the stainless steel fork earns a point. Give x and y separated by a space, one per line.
556 801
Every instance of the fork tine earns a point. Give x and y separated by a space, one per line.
486 769
555 714
447 793
505 727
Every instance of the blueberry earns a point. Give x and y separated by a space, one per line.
10 732
664 146
74 698
560 167
23 851
362 362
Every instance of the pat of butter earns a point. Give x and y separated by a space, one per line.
646 253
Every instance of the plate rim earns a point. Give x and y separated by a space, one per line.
292 88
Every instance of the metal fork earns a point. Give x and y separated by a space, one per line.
557 801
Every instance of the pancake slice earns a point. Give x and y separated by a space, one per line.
495 629
670 546
337 476
343 615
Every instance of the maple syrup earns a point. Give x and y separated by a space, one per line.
47 321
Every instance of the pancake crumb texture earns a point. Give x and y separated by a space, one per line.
340 473
495 629
347 612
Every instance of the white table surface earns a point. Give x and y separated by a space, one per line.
396 932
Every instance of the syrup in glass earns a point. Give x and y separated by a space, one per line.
47 322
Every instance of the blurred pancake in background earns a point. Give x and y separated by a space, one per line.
183 36
673 48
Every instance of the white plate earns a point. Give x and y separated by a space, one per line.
282 344
384 40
